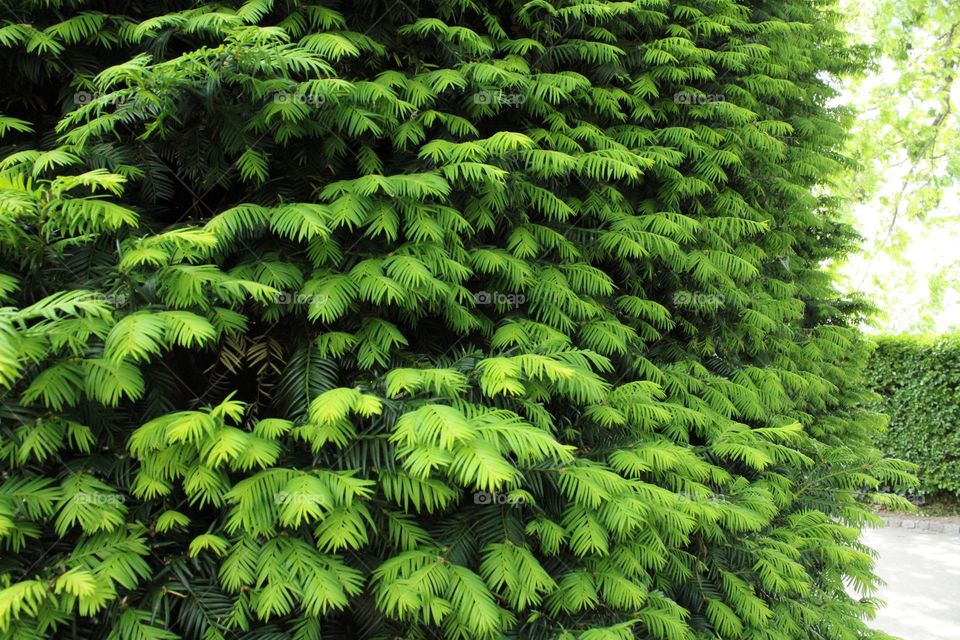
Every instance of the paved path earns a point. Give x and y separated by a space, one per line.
922 572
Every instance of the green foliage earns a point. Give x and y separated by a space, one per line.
912 117
906 145
443 319
916 378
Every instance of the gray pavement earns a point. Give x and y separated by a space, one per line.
922 572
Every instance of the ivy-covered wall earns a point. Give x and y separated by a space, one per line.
918 379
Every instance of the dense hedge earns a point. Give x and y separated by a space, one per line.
917 378
474 320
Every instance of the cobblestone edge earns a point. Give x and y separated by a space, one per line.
923 524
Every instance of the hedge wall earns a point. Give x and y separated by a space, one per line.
917 378
466 319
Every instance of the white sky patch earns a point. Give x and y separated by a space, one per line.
902 286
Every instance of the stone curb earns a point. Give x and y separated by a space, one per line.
922 524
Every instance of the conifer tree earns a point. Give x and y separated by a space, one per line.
428 319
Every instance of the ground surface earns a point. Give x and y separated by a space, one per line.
922 572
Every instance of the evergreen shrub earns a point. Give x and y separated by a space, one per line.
428 319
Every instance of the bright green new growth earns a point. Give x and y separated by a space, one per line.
443 319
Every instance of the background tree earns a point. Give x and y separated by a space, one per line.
432 319
905 141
